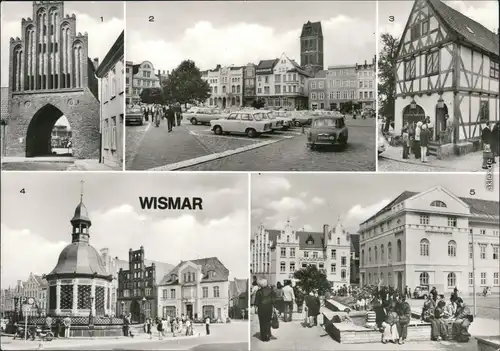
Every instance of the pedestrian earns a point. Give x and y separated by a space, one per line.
495 147
391 323
463 319
67 326
424 142
279 299
265 303
170 118
159 327
288 300
486 138
178 114
403 310
430 128
406 143
58 333
450 129
416 142
207 325
148 328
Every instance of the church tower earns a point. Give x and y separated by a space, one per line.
311 47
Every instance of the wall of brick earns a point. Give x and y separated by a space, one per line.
79 106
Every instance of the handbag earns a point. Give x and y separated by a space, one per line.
275 323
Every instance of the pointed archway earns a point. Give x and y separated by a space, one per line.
39 133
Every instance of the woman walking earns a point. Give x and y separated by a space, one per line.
265 299
279 299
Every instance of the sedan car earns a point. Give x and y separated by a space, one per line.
276 123
251 123
285 117
301 118
328 130
202 115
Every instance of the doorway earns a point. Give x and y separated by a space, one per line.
189 311
440 121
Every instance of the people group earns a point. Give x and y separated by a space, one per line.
155 113
415 137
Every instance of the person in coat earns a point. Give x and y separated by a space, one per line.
438 326
463 318
390 324
424 142
495 147
406 143
403 310
170 118
265 299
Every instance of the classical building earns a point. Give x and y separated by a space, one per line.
112 265
318 94
111 73
366 82
249 89
10 299
226 86
50 76
430 238
282 83
137 286
79 284
197 288
277 254
311 47
447 63
341 86
139 76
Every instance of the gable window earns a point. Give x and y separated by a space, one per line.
415 32
432 63
425 27
493 69
438 203
410 71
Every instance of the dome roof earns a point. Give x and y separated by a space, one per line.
80 258
81 213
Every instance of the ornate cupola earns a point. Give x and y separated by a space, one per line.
80 222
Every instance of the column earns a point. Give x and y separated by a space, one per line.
70 55
21 70
74 309
92 294
46 54
58 297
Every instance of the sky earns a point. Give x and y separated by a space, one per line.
484 12
233 32
102 34
311 200
35 225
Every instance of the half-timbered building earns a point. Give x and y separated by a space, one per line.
447 64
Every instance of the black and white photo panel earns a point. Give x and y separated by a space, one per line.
438 86
62 85
218 86
337 265
106 261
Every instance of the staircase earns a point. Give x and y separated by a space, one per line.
433 148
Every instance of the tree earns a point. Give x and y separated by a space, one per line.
387 76
258 104
151 96
184 85
346 107
311 278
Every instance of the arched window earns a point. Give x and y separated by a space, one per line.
376 254
370 255
399 253
238 89
424 278
233 89
424 247
389 252
438 203
382 253
211 101
224 89
452 280
452 248
215 90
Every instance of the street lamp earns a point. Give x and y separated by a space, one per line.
413 104
440 103
144 308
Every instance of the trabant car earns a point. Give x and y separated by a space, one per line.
251 123
421 292
301 118
202 115
285 117
277 123
134 115
328 130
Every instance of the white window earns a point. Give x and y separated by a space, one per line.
292 266
424 219
482 232
482 252
452 280
313 84
283 252
343 261
470 250
334 254
343 274
424 278
424 248
321 84
314 96
172 293
452 248
495 252
114 135
495 278
282 267
165 293
204 292
315 254
471 279
216 291
483 278
321 96
452 221
292 252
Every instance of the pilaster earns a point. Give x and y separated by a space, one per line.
58 297
92 294
75 298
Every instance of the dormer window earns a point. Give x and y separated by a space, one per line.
213 274
309 241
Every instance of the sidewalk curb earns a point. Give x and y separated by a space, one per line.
417 163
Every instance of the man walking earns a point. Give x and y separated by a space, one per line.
178 114
288 299
424 141
170 118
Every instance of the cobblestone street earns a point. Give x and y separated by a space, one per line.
196 148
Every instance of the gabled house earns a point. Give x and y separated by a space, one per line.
447 64
238 298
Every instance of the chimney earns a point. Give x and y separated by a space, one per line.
326 229
96 63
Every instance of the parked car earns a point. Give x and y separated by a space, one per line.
301 118
421 292
382 144
288 122
328 130
276 123
202 115
251 123
134 115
